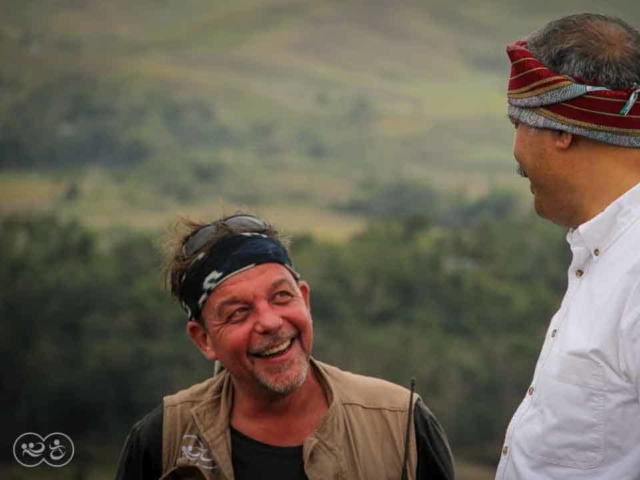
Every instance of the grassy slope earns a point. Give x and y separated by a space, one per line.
432 72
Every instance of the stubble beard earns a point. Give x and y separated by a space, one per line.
287 378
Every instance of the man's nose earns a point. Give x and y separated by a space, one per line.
267 319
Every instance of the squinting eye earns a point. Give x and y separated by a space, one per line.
237 315
283 296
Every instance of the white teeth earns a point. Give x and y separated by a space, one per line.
277 348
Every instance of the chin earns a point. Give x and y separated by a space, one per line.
554 218
287 381
541 208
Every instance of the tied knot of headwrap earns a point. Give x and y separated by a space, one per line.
632 100
230 256
541 98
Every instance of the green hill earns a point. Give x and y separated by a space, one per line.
124 113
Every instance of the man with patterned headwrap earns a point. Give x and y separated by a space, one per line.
274 412
573 98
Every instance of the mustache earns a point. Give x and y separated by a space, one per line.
521 172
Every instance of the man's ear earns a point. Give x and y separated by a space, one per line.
563 140
305 291
201 338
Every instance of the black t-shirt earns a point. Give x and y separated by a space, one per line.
141 458
253 460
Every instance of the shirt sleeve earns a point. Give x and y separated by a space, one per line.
141 457
435 461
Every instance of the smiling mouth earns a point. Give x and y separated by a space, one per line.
276 350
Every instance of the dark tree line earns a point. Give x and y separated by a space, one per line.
90 341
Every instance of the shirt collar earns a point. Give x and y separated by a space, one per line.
603 230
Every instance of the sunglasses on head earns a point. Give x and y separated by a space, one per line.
240 223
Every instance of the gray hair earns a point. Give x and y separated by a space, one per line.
177 263
598 49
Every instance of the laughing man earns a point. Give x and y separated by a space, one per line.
274 411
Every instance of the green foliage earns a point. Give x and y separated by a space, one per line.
85 328
406 198
462 309
79 121
393 199
66 122
91 342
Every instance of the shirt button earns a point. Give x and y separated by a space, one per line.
531 390
596 252
579 273
553 334
505 450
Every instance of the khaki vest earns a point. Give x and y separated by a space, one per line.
362 435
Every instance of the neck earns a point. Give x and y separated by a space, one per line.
282 420
611 172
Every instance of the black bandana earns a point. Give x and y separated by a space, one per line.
229 256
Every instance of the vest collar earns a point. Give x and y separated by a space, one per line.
212 420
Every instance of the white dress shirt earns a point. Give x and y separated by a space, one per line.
580 418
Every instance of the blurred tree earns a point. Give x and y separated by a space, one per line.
91 342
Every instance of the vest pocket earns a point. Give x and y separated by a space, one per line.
564 424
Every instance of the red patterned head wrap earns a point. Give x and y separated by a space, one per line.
541 98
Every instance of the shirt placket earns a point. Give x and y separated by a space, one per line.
576 273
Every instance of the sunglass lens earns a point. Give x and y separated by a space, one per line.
238 222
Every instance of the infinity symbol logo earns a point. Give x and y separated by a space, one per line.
30 449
